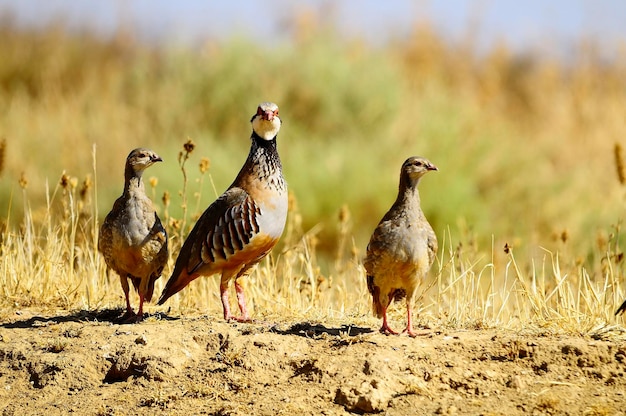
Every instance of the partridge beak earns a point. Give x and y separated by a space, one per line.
268 115
156 158
431 167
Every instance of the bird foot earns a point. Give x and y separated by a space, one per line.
130 318
128 314
387 331
414 334
242 319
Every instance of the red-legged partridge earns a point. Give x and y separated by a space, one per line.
402 248
243 224
132 239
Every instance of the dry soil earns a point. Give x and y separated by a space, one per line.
84 363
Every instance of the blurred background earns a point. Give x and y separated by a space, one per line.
521 105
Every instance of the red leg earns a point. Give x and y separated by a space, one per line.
409 324
224 295
409 321
140 311
241 300
385 329
129 314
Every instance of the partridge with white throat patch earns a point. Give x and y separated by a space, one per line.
242 226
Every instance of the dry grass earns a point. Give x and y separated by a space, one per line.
527 204
53 263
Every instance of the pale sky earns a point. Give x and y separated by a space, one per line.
528 24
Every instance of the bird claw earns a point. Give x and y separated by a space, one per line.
242 319
130 318
410 333
414 334
387 331
127 315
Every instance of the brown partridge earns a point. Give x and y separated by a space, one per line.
402 248
243 224
132 239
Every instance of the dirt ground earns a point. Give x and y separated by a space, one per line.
83 363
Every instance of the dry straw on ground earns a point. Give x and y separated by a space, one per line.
524 144
51 261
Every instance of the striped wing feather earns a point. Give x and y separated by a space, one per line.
224 229
232 231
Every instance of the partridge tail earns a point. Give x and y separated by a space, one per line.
377 307
374 290
150 288
175 284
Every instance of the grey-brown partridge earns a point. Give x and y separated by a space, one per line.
402 248
132 239
241 227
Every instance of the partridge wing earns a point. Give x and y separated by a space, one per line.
223 230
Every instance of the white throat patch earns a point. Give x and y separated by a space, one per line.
266 129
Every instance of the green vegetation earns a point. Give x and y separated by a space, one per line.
525 146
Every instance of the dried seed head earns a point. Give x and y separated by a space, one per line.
23 181
507 248
321 280
65 180
205 164
189 146
154 181
175 224
619 163
87 185
166 198
73 182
